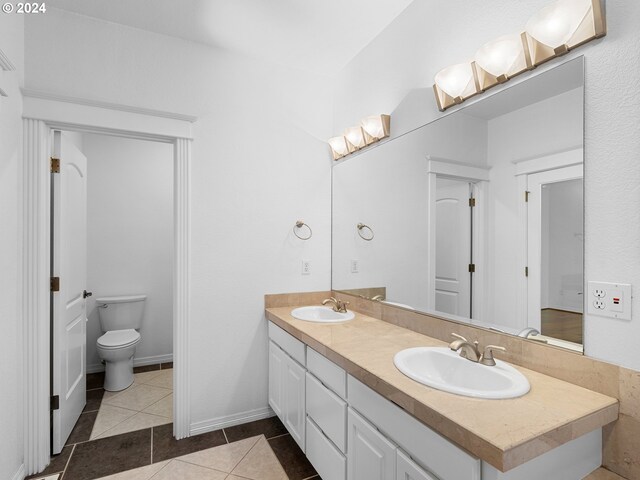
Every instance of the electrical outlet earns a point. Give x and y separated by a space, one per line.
609 300
306 267
355 266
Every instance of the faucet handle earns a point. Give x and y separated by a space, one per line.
487 356
459 337
342 306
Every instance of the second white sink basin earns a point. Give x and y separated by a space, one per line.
321 314
444 369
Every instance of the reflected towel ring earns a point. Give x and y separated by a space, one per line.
299 224
362 226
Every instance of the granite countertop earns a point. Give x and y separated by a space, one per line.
504 433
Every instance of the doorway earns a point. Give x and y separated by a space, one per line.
40 117
112 234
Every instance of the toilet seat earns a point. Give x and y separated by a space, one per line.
115 339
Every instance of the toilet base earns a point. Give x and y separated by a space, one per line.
118 375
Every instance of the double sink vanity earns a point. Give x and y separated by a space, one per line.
368 399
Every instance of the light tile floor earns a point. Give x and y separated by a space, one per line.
148 402
251 458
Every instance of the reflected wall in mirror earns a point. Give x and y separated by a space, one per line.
477 216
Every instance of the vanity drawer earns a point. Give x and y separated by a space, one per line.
439 455
327 410
323 455
291 345
328 372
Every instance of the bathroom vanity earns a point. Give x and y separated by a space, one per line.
356 417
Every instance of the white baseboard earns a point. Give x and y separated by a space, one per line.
137 362
230 420
20 474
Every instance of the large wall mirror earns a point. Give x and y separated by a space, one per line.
477 216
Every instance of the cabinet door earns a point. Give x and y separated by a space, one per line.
294 411
407 469
276 370
370 455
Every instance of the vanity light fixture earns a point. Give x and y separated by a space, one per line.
370 130
553 31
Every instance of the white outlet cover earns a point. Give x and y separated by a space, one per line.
616 298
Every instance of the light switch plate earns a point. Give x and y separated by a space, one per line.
609 300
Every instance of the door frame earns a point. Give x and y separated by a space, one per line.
523 168
42 113
479 175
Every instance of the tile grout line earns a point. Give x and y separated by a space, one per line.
151 446
66 465
225 436
277 436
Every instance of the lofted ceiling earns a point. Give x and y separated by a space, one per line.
317 36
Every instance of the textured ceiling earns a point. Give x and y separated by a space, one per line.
318 36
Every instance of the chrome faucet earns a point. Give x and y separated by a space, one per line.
338 305
467 350
471 352
528 332
378 298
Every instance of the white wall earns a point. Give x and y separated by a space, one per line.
403 60
130 237
260 162
11 37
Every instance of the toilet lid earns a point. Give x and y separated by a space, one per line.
118 338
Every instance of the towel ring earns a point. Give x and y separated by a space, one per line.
362 226
299 224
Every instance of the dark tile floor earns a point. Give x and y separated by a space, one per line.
97 458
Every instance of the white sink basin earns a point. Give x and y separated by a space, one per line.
321 315
444 369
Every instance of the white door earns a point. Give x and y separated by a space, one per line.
407 469
294 412
371 456
69 263
538 263
453 247
276 369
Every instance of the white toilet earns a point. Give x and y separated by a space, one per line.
120 319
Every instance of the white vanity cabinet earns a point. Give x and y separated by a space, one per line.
287 383
371 455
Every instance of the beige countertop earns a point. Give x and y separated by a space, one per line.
504 433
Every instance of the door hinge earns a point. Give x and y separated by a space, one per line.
55 284
55 402
472 202
526 195
55 165
472 268
526 271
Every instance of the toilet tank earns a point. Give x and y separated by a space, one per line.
120 313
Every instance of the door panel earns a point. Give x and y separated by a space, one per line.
453 248
294 401
371 456
69 262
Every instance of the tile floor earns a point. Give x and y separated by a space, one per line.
260 450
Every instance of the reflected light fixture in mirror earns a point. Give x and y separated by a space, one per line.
553 31
339 147
355 136
371 129
376 127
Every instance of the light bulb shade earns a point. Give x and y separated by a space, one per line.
376 127
503 56
456 80
355 136
555 25
339 147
